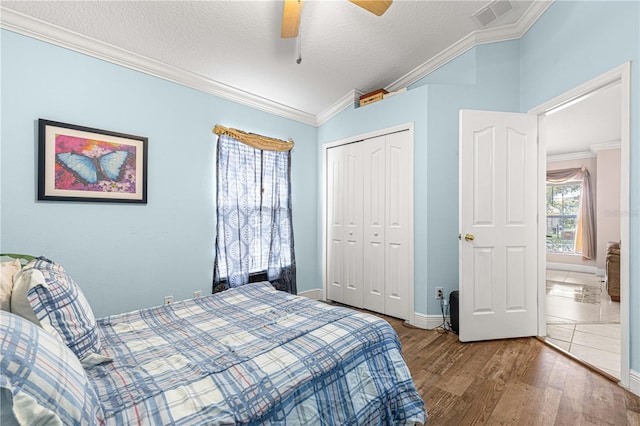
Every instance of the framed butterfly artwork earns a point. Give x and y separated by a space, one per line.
77 163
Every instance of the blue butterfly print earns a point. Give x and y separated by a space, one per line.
89 169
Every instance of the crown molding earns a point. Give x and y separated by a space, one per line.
489 35
605 145
349 100
570 156
593 149
53 34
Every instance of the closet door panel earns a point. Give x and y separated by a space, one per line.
353 256
335 221
398 229
374 223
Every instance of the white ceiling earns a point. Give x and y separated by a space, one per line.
237 43
585 123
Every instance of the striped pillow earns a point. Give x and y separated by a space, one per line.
62 310
47 383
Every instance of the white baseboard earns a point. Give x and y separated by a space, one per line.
315 294
428 322
572 268
634 382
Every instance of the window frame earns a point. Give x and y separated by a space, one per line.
562 217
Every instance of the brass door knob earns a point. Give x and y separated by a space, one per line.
469 237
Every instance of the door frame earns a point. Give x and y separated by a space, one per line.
619 75
358 138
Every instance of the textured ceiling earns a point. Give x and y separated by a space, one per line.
238 43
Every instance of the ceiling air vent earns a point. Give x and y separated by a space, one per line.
490 13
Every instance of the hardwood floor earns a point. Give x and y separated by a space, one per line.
514 381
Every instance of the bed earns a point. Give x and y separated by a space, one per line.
249 355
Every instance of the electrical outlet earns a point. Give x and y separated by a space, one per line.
168 300
197 294
439 293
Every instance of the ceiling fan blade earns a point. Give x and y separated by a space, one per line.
291 18
377 7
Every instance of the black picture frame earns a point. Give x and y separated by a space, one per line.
77 163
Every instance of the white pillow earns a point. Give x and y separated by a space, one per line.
25 280
48 386
47 296
7 279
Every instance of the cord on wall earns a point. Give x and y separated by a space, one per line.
445 327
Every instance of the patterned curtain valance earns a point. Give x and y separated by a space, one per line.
255 141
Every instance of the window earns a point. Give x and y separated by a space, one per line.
254 240
563 205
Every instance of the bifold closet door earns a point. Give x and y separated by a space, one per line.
388 188
370 228
398 224
374 223
345 180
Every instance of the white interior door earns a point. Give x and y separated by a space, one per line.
399 225
335 221
353 257
374 223
498 225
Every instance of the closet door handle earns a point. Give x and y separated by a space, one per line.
375 234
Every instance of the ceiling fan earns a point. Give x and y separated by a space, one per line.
292 9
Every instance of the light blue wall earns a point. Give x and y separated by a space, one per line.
495 87
400 109
486 77
129 256
572 43
123 256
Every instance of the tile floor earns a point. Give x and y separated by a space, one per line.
582 319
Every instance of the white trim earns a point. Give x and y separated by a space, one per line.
315 294
592 153
570 156
603 80
402 127
368 135
634 381
619 75
53 34
428 322
600 272
490 35
351 99
624 74
542 231
605 145
572 268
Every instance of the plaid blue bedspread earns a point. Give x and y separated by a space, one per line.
253 355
